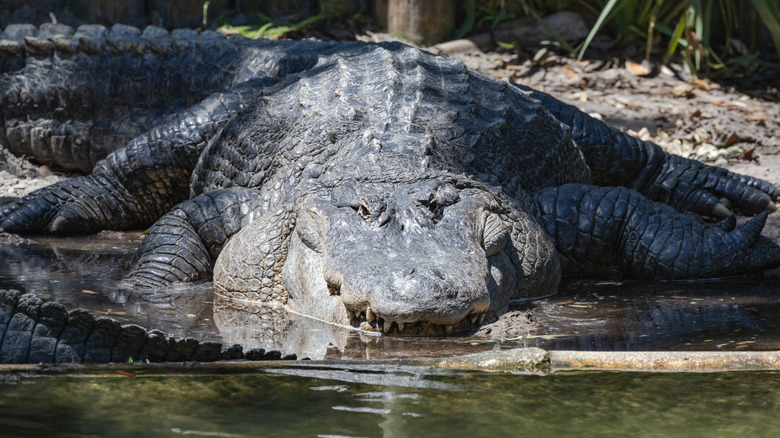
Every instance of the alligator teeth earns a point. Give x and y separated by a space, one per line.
448 329
387 326
370 317
481 318
400 326
473 318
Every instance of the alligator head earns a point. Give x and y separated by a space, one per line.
422 258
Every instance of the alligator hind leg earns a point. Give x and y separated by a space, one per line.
598 227
616 158
183 244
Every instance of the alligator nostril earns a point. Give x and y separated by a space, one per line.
437 273
409 272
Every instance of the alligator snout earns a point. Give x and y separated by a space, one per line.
417 296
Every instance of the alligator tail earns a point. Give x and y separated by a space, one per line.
69 98
32 331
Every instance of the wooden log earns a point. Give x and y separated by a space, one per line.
378 10
421 21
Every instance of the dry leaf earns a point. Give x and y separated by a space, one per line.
732 139
91 292
125 373
637 69
682 90
701 85
571 73
227 31
749 155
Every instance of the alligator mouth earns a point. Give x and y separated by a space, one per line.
369 321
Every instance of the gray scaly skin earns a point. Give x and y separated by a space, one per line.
383 187
32 331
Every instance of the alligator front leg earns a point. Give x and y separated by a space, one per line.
183 244
597 227
133 186
616 158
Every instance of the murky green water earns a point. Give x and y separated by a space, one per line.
318 401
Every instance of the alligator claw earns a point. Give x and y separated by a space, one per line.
721 211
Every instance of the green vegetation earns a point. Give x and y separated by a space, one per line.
709 36
274 29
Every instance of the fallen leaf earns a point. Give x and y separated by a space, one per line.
748 154
682 90
571 73
227 31
125 373
732 139
560 303
91 292
701 85
190 315
758 116
637 69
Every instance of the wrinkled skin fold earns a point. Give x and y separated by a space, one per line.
373 185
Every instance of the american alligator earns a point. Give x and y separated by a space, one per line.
374 185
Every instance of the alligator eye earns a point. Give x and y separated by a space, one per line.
495 234
362 210
433 206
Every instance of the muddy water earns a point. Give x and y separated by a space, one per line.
586 315
327 401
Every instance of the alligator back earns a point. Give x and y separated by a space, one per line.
391 113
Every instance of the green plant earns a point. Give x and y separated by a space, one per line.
687 26
492 11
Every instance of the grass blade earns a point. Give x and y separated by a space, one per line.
770 14
602 17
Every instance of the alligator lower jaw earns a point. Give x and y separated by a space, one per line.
368 321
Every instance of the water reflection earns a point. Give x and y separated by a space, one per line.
85 272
